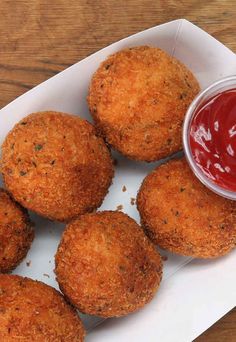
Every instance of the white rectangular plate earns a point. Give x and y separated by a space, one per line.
191 298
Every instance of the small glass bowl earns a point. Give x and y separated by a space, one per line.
216 88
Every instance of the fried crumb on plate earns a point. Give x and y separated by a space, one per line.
119 207
132 201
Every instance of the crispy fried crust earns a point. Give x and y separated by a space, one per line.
181 215
55 164
138 98
106 266
16 233
33 311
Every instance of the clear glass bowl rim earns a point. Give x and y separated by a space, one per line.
225 83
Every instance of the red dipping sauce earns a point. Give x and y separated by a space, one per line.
212 139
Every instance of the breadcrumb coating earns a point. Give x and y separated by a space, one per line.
16 233
181 215
138 98
56 165
33 311
106 266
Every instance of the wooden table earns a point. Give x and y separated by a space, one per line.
39 38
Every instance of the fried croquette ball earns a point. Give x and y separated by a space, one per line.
106 266
181 215
16 233
55 164
33 311
138 98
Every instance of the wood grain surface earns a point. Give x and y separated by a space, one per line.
39 38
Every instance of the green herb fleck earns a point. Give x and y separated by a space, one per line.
38 147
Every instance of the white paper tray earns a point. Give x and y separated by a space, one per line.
191 298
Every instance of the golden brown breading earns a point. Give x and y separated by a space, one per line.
33 311
55 164
106 266
138 98
181 215
16 233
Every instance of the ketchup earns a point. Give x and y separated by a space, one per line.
213 139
